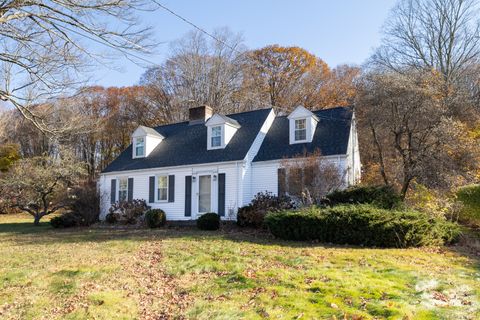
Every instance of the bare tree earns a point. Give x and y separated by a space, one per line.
412 134
47 45
443 35
199 71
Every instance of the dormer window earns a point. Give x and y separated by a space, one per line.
300 129
216 137
139 147
220 130
144 141
302 125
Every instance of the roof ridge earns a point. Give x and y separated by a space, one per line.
243 112
338 107
227 115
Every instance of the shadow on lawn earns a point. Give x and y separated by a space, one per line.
46 234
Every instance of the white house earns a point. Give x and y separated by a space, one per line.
218 163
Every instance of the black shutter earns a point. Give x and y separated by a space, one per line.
188 196
171 188
130 189
151 190
282 183
113 191
221 194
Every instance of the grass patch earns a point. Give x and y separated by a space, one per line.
92 273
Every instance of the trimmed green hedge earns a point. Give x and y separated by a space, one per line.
155 218
469 196
380 196
66 220
209 221
362 225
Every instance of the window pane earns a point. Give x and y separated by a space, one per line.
139 147
122 195
300 134
162 191
122 189
162 194
216 141
300 124
139 151
123 184
162 181
216 131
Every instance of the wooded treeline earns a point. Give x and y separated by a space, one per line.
417 99
199 71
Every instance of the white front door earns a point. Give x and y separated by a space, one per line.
204 193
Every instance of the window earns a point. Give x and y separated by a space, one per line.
216 137
139 147
162 188
300 129
122 189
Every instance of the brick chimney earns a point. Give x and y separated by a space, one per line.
198 115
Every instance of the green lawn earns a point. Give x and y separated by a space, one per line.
168 273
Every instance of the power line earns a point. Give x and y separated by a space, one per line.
197 27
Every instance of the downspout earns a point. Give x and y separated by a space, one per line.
238 188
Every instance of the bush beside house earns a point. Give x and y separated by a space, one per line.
66 220
362 225
155 218
209 221
253 214
127 212
380 196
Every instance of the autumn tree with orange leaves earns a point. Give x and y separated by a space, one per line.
290 76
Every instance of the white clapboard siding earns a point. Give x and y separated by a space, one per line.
265 174
176 210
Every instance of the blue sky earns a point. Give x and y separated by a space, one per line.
337 31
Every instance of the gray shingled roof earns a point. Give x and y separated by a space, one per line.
186 144
330 138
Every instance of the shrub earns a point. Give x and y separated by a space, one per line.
253 214
362 225
86 203
111 218
66 220
155 218
129 211
469 196
209 221
380 196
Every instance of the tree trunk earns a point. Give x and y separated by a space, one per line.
36 219
405 185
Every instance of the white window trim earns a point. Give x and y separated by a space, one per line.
118 188
135 147
295 129
156 188
222 143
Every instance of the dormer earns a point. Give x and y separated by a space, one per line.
302 125
220 130
144 140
